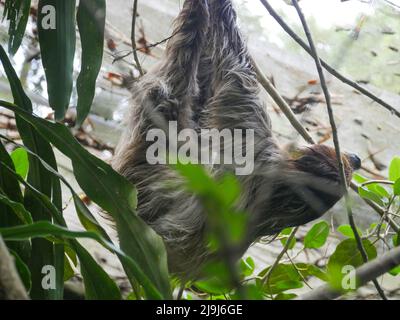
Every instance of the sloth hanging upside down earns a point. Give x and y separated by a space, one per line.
206 80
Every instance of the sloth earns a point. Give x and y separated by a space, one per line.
206 80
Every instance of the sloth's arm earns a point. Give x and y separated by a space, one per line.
234 101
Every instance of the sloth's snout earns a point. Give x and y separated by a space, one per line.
355 161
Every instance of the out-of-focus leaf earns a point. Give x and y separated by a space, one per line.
317 235
394 169
10 198
285 296
21 162
286 233
57 37
91 19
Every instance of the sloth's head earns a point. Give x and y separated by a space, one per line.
307 186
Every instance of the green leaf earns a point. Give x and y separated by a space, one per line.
347 231
247 266
394 169
21 161
23 271
98 285
42 250
285 296
23 215
283 277
10 198
395 271
130 265
57 47
317 235
347 254
396 240
370 195
91 19
114 194
396 188
18 14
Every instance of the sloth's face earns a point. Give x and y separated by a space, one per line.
307 188
320 161
318 180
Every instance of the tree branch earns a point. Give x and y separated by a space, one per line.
364 274
133 38
11 287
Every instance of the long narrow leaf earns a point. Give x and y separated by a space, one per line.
91 20
56 25
114 194
42 250
18 14
132 268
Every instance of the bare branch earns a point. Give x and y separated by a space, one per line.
133 38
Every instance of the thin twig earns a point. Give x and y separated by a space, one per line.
330 69
153 45
280 256
133 38
335 137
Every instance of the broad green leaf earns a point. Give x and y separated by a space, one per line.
57 39
317 235
395 271
91 19
370 195
114 194
21 162
394 169
282 278
347 231
347 254
285 296
213 286
247 266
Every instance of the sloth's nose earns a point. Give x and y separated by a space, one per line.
355 161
